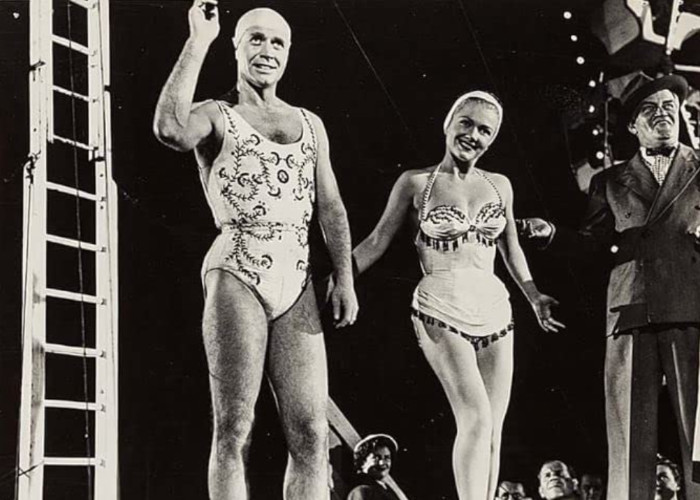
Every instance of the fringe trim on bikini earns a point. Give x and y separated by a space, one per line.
453 244
478 342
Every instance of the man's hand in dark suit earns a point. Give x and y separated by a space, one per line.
534 228
695 233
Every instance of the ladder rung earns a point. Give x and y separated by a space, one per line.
70 93
76 297
83 3
68 350
70 461
69 242
687 67
71 44
71 142
70 405
71 191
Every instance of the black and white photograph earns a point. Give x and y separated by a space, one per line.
349 249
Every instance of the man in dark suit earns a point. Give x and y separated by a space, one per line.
646 211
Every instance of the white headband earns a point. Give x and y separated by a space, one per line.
475 94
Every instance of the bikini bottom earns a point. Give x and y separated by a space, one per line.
470 302
478 342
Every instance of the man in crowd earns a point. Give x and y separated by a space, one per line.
591 486
668 479
509 490
557 481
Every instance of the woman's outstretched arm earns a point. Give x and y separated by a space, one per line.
400 201
515 261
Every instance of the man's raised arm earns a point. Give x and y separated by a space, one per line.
177 123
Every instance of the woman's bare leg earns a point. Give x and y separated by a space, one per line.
496 367
454 361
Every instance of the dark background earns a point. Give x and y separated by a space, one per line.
382 75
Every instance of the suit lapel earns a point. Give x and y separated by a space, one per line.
639 179
683 169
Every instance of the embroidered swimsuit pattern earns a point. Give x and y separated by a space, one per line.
254 196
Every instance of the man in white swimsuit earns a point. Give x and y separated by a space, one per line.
263 164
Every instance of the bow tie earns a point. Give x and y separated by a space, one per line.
661 151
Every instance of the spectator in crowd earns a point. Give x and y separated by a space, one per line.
373 457
591 486
557 481
508 490
668 479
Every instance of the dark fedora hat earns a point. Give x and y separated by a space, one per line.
642 86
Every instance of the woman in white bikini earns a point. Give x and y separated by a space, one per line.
461 311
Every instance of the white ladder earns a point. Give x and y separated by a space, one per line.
69 322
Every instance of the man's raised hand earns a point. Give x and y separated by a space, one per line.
204 21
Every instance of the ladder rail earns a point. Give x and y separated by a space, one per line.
113 242
31 429
106 422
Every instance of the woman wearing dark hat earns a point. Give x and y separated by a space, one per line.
373 458
647 210
461 309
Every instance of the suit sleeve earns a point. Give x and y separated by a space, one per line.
597 228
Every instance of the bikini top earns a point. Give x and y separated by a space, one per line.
445 227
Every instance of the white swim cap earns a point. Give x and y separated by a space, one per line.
262 17
475 94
